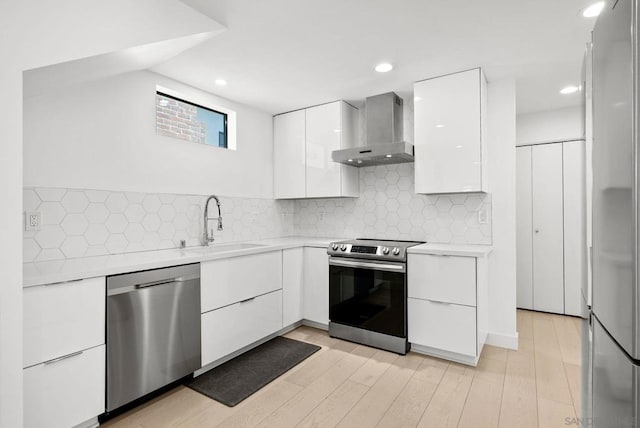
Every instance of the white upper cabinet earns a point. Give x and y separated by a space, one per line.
303 142
449 133
289 155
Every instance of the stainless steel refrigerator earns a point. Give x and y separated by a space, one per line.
615 318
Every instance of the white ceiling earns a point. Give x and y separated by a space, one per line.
280 55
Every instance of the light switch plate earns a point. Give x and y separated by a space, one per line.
32 220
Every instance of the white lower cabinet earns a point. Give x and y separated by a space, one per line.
445 326
66 392
316 285
447 305
292 279
233 327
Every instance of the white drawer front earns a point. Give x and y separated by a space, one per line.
442 278
230 328
60 319
232 280
65 393
443 326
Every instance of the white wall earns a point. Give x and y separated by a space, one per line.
35 34
550 125
102 135
501 106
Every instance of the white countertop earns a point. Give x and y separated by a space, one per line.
39 273
452 249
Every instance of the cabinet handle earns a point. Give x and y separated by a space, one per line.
440 302
247 300
537 231
55 360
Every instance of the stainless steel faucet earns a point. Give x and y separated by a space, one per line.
208 235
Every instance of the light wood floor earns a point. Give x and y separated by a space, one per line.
350 385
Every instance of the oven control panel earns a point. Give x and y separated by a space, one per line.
366 251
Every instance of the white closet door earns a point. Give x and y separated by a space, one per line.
575 246
548 270
524 256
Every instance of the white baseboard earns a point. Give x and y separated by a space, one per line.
501 340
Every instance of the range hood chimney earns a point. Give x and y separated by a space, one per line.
385 143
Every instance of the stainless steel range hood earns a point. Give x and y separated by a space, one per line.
384 135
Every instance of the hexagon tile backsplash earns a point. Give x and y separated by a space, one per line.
388 208
80 223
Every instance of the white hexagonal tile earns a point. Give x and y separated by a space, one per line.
30 250
404 197
405 212
134 233
392 219
97 196
75 201
458 212
116 203
443 236
52 213
96 234
151 203
181 222
473 236
369 178
443 204
392 177
96 213
458 227
404 226
458 199
50 237
444 221
380 172
416 204
392 191
166 231
167 198
473 202
151 222
167 213
152 241
392 205
74 246
134 213
48 254
181 203
116 223
134 197
30 199
74 224
96 250
430 212
116 243
50 194
370 219
405 183
405 170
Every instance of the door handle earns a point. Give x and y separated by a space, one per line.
250 299
55 360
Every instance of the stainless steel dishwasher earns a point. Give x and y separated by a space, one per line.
153 330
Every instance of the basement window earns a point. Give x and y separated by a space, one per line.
189 120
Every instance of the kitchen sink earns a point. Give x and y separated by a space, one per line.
223 248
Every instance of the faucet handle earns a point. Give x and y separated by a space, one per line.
210 237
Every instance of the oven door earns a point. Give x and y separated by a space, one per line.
368 295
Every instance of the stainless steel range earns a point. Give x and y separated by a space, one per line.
368 292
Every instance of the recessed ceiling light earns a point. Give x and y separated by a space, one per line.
221 82
439 126
593 10
569 90
384 67
416 99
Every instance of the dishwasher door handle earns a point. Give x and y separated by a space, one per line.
162 281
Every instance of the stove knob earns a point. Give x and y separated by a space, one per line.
343 247
385 250
396 251
334 247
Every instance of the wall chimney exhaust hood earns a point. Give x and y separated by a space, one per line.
384 135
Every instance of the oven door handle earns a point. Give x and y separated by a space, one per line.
392 267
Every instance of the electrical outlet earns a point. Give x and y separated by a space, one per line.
321 215
483 217
32 220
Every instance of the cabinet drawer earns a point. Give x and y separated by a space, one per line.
232 280
67 392
60 319
230 328
449 279
443 326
